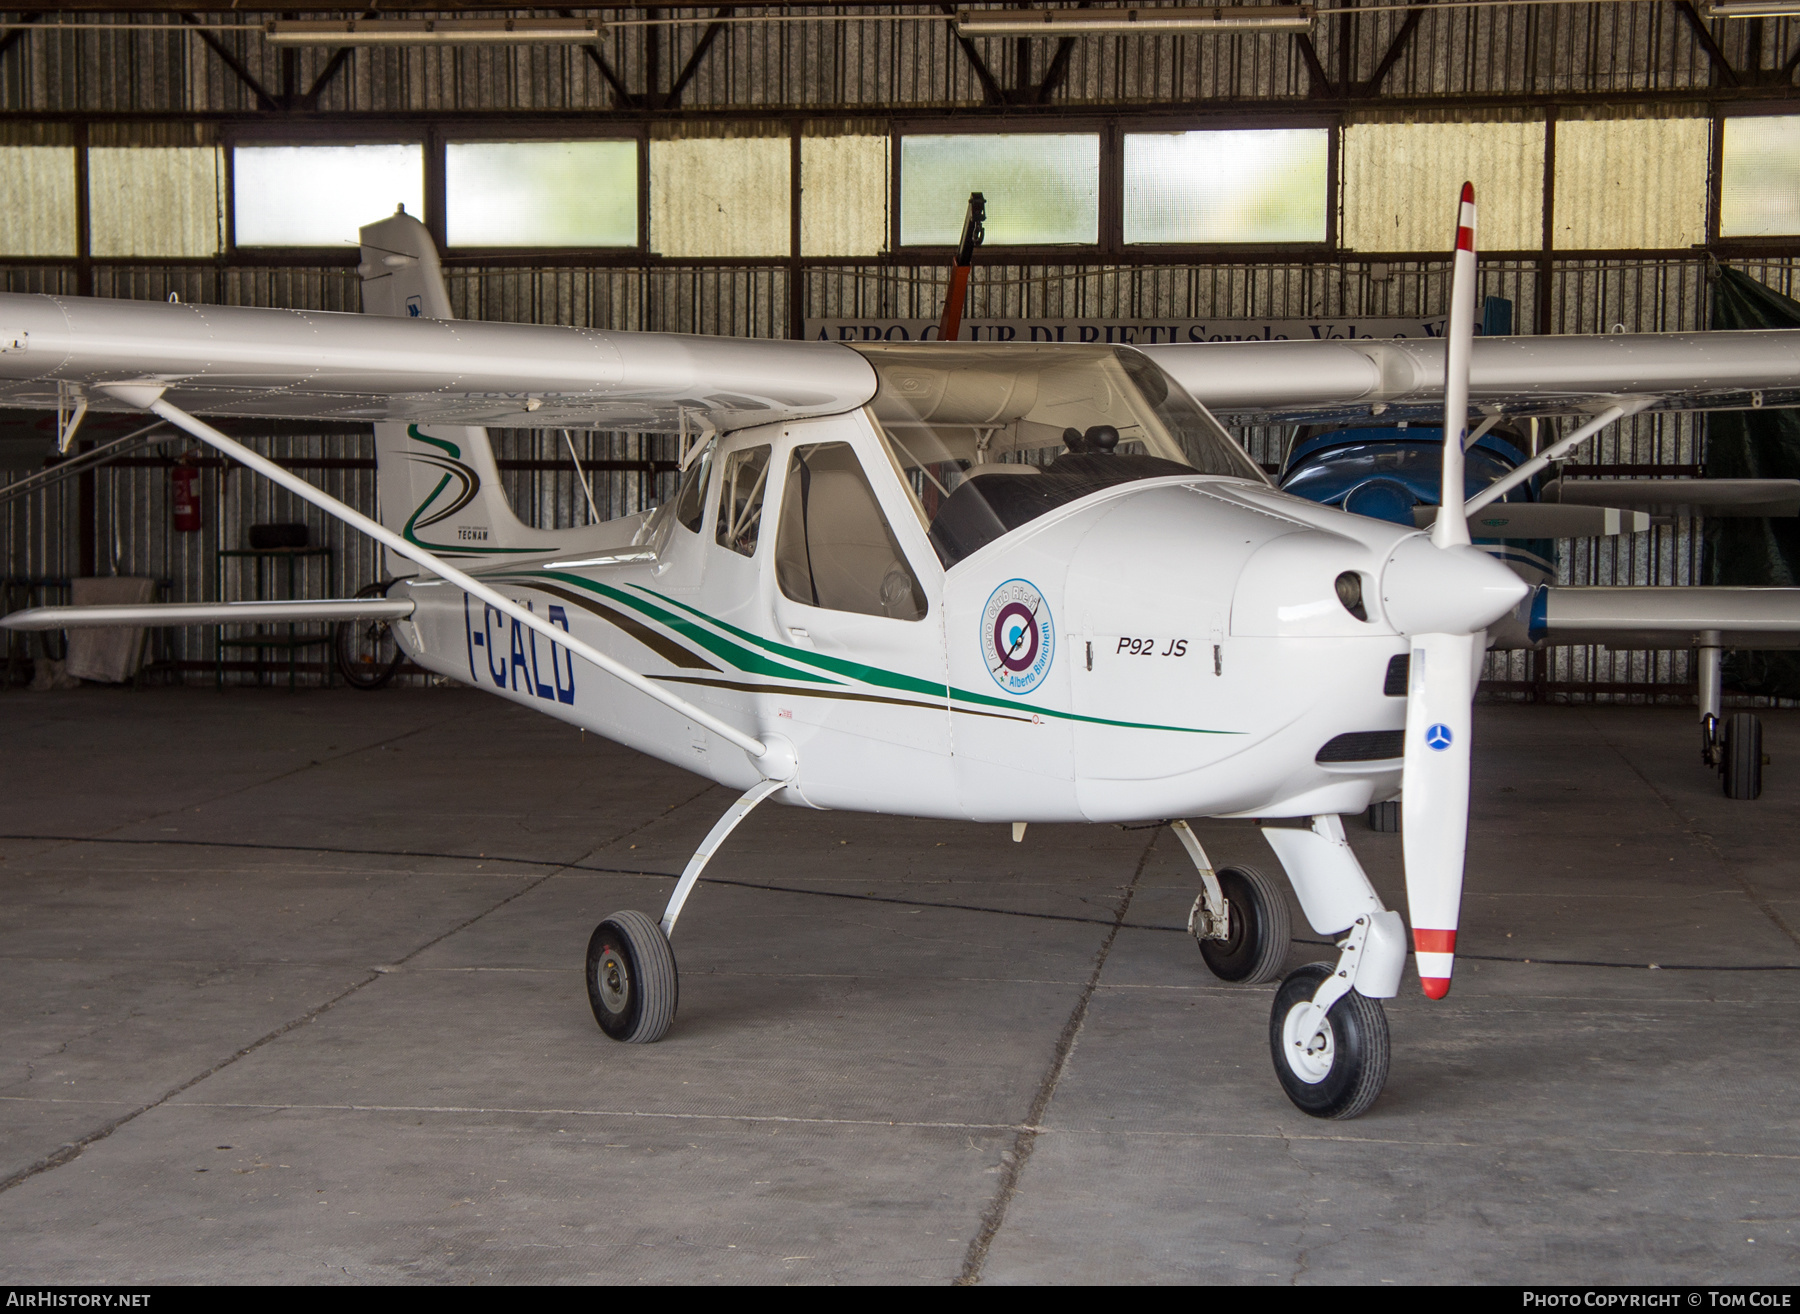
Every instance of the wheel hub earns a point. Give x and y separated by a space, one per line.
614 981
1309 1057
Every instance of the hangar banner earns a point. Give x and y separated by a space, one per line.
1132 332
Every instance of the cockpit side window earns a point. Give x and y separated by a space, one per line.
690 500
742 480
835 549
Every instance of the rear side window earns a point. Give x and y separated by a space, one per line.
690 502
741 482
835 548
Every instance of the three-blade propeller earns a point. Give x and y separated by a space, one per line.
1456 591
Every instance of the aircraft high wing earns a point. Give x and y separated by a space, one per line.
1002 584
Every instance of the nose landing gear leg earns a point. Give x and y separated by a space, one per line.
1328 1035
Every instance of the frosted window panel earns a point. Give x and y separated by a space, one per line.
154 201
1759 181
37 200
321 195
1630 183
720 197
843 196
541 193
1402 181
1257 186
1042 189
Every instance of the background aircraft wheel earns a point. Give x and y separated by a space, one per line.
1741 760
1339 1070
367 655
1257 932
1385 817
631 981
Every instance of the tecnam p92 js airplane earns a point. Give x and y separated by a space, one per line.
1008 584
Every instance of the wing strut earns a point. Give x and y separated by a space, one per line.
148 397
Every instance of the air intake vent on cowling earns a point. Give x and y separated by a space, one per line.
1365 746
1399 671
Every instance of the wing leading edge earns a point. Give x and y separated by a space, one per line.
232 360
1340 379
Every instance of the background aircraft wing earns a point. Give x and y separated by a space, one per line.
1341 379
1652 616
231 360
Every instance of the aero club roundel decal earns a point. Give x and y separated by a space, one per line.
1018 637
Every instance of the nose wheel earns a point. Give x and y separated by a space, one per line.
1339 1068
631 981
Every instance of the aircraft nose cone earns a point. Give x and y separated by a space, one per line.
1427 589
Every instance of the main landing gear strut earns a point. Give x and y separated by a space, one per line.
1328 1036
632 983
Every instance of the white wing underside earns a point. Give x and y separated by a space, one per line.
237 361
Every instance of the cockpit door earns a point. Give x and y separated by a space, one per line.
856 597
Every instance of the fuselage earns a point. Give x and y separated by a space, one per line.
1169 646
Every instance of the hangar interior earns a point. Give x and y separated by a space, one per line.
369 994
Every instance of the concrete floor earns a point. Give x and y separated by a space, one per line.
293 992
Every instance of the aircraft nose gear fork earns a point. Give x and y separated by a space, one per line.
632 982
1328 1035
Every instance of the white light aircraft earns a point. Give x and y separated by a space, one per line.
1008 584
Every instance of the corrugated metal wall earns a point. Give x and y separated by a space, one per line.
891 63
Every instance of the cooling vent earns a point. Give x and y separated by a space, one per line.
1399 670
1365 745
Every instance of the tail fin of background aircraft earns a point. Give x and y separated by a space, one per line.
439 485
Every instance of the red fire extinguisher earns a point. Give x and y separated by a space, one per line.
184 500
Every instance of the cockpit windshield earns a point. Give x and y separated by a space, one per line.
990 438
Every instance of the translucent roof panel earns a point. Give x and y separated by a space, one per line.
1042 189
321 195
1255 186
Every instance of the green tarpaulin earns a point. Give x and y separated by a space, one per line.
1754 445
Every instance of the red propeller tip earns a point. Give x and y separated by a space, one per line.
1436 987
1468 193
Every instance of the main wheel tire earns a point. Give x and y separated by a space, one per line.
631 981
1257 932
367 655
1340 1070
1741 760
1385 817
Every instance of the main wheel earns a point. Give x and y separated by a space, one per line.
1385 817
1741 759
1257 931
631 981
1338 1070
367 655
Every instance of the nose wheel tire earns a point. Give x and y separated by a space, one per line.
1339 1070
1257 931
1741 756
631 981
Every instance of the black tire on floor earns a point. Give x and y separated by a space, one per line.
1343 1077
1741 760
631 981
1385 817
367 655
1257 932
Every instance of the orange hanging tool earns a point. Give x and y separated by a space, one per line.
951 324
